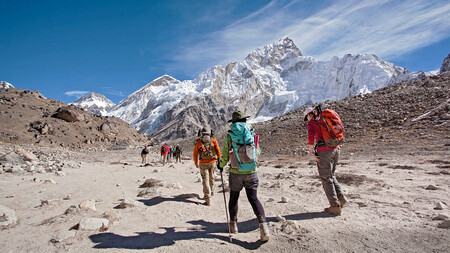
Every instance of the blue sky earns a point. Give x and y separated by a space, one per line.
67 48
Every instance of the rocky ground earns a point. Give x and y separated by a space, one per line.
87 196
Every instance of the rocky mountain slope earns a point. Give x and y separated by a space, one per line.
27 117
445 65
270 81
401 116
94 103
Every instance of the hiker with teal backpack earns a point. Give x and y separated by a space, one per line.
241 149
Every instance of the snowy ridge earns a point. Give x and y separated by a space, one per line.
94 103
5 85
270 81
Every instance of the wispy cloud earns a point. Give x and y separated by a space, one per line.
386 28
77 94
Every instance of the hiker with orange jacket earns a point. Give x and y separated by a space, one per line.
326 157
206 153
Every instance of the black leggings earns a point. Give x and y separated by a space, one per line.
254 201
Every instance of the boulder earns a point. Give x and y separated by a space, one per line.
93 224
66 113
444 224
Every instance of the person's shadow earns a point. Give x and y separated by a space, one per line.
187 198
152 240
202 230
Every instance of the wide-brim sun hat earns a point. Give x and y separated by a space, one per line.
307 111
238 115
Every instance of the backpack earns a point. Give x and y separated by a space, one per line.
206 150
163 149
145 151
331 127
244 157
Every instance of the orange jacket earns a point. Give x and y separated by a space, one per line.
198 145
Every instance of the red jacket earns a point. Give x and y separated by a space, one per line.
315 135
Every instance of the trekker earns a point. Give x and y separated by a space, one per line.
164 152
144 154
243 170
178 152
169 156
206 153
327 158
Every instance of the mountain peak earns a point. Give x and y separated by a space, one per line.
274 53
445 65
5 85
94 103
164 80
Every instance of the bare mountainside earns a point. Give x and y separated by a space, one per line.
27 117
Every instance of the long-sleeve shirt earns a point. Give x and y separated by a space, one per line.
198 145
315 135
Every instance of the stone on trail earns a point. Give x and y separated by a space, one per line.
431 187
280 218
440 206
127 203
49 181
284 200
7 217
88 205
174 185
445 224
149 192
93 224
441 217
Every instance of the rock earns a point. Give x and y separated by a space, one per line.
60 173
149 192
174 185
127 203
280 218
284 200
93 224
27 156
62 236
444 224
7 217
67 114
49 181
67 197
152 183
72 210
441 217
88 205
440 206
112 216
431 187
270 200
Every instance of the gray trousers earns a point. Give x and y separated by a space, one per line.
327 167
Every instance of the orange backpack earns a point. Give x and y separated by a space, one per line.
331 127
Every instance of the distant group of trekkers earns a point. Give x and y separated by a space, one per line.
167 153
241 150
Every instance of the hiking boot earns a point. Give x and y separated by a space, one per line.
342 200
212 193
233 227
335 210
264 231
207 202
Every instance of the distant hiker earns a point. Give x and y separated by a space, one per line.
178 152
144 154
206 153
169 155
325 150
240 148
164 152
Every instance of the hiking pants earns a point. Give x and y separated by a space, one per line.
178 157
250 183
327 167
164 159
144 158
204 169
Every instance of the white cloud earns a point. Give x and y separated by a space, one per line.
77 94
386 28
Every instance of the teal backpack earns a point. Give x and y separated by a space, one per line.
244 157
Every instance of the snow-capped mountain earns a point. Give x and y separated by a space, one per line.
5 85
270 81
94 103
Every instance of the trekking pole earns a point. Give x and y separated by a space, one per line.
226 210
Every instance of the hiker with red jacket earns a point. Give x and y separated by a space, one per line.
206 153
164 152
327 157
